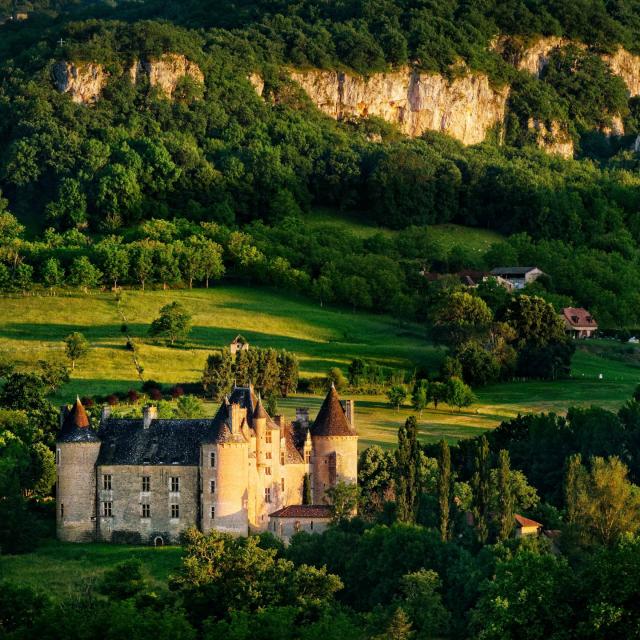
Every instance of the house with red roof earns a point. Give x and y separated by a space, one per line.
526 526
578 322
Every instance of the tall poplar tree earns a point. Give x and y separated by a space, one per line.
505 497
481 486
408 471
445 490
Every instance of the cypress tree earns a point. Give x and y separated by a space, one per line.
445 490
573 487
505 496
408 471
306 489
480 484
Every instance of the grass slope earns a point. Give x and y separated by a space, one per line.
33 327
61 569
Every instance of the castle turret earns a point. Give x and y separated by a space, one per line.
335 446
77 449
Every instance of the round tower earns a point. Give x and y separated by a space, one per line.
77 450
334 446
231 495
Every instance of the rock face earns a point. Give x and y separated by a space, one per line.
534 57
83 82
466 108
627 66
257 83
553 138
166 72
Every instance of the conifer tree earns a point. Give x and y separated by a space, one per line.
445 490
408 471
480 484
306 489
505 496
573 487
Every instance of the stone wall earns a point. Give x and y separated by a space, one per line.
286 528
334 459
127 498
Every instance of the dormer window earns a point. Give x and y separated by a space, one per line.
267 437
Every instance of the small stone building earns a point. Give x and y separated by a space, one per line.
239 343
518 277
526 527
146 480
312 518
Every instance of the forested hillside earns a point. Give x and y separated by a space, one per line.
211 150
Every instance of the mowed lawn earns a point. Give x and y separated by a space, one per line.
62 569
33 327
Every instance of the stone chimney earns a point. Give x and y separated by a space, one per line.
63 413
106 413
280 421
302 416
236 414
149 413
349 410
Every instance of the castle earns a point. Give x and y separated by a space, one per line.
242 471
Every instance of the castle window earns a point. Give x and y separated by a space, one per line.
282 457
175 484
268 455
106 482
146 483
175 510
307 457
311 526
267 471
212 459
61 510
146 510
267 436
57 456
106 509
267 494
282 484
213 512
212 486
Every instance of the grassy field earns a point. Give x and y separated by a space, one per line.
33 327
449 235
62 569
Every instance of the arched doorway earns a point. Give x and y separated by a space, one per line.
158 541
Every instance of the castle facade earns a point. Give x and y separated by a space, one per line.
146 480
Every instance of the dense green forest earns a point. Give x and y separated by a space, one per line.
220 154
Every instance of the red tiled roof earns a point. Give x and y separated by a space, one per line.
521 521
303 511
331 419
579 317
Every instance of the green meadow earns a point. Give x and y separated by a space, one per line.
61 569
33 327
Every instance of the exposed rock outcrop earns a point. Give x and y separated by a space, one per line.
257 83
534 57
553 138
83 82
166 72
466 108
627 66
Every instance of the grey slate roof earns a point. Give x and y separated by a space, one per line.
167 442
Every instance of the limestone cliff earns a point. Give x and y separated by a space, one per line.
166 72
552 138
534 57
466 108
84 82
627 66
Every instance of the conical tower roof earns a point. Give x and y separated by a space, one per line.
76 426
331 419
259 410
